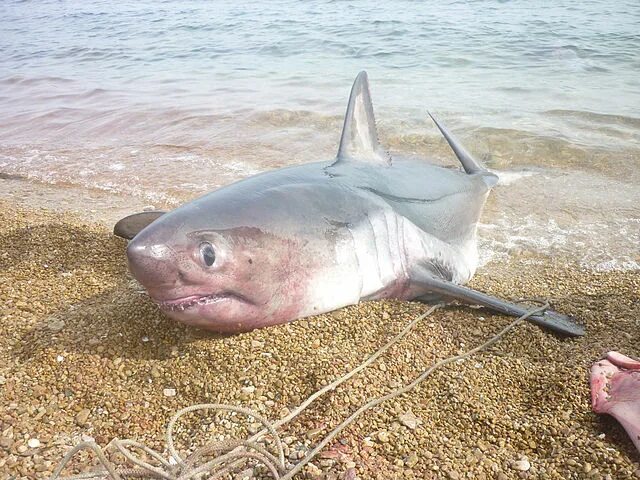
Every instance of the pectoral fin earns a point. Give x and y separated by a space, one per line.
130 226
552 320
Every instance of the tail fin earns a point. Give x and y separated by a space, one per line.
470 164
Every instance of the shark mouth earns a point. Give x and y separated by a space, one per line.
181 304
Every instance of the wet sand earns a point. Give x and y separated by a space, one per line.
84 354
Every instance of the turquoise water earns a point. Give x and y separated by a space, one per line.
166 100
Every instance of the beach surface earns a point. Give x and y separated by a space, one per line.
84 354
108 108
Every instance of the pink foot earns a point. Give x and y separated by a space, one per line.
615 390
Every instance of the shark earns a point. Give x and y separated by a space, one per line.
312 238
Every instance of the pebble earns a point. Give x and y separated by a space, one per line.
33 443
522 465
56 325
6 442
245 475
82 417
409 420
465 407
169 392
411 460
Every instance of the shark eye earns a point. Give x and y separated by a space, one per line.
208 253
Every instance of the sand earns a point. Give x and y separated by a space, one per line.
84 354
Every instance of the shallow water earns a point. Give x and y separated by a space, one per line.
167 100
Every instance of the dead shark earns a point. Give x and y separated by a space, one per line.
312 238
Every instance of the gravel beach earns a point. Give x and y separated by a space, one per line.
84 354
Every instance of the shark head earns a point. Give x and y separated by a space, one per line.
227 279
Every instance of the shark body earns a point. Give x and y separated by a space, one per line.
312 238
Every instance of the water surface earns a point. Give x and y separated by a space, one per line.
167 100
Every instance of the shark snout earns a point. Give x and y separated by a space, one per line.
152 263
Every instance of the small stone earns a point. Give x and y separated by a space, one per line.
145 339
248 390
82 417
383 436
409 420
148 208
169 392
411 460
6 442
453 475
245 475
22 449
315 432
586 468
2 380
256 344
522 465
33 443
56 325
313 470
350 474
155 372
60 358
386 316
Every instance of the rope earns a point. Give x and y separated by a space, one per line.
233 454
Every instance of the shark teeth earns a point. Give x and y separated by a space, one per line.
189 302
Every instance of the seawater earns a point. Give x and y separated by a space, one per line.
167 100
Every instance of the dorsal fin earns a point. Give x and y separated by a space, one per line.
359 141
469 163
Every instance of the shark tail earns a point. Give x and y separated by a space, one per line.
470 164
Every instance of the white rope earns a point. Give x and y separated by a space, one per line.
233 454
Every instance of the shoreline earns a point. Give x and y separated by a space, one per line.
84 353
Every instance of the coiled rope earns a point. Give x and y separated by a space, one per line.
230 455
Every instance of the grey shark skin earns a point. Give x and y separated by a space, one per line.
313 238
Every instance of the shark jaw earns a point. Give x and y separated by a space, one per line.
185 303
229 312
